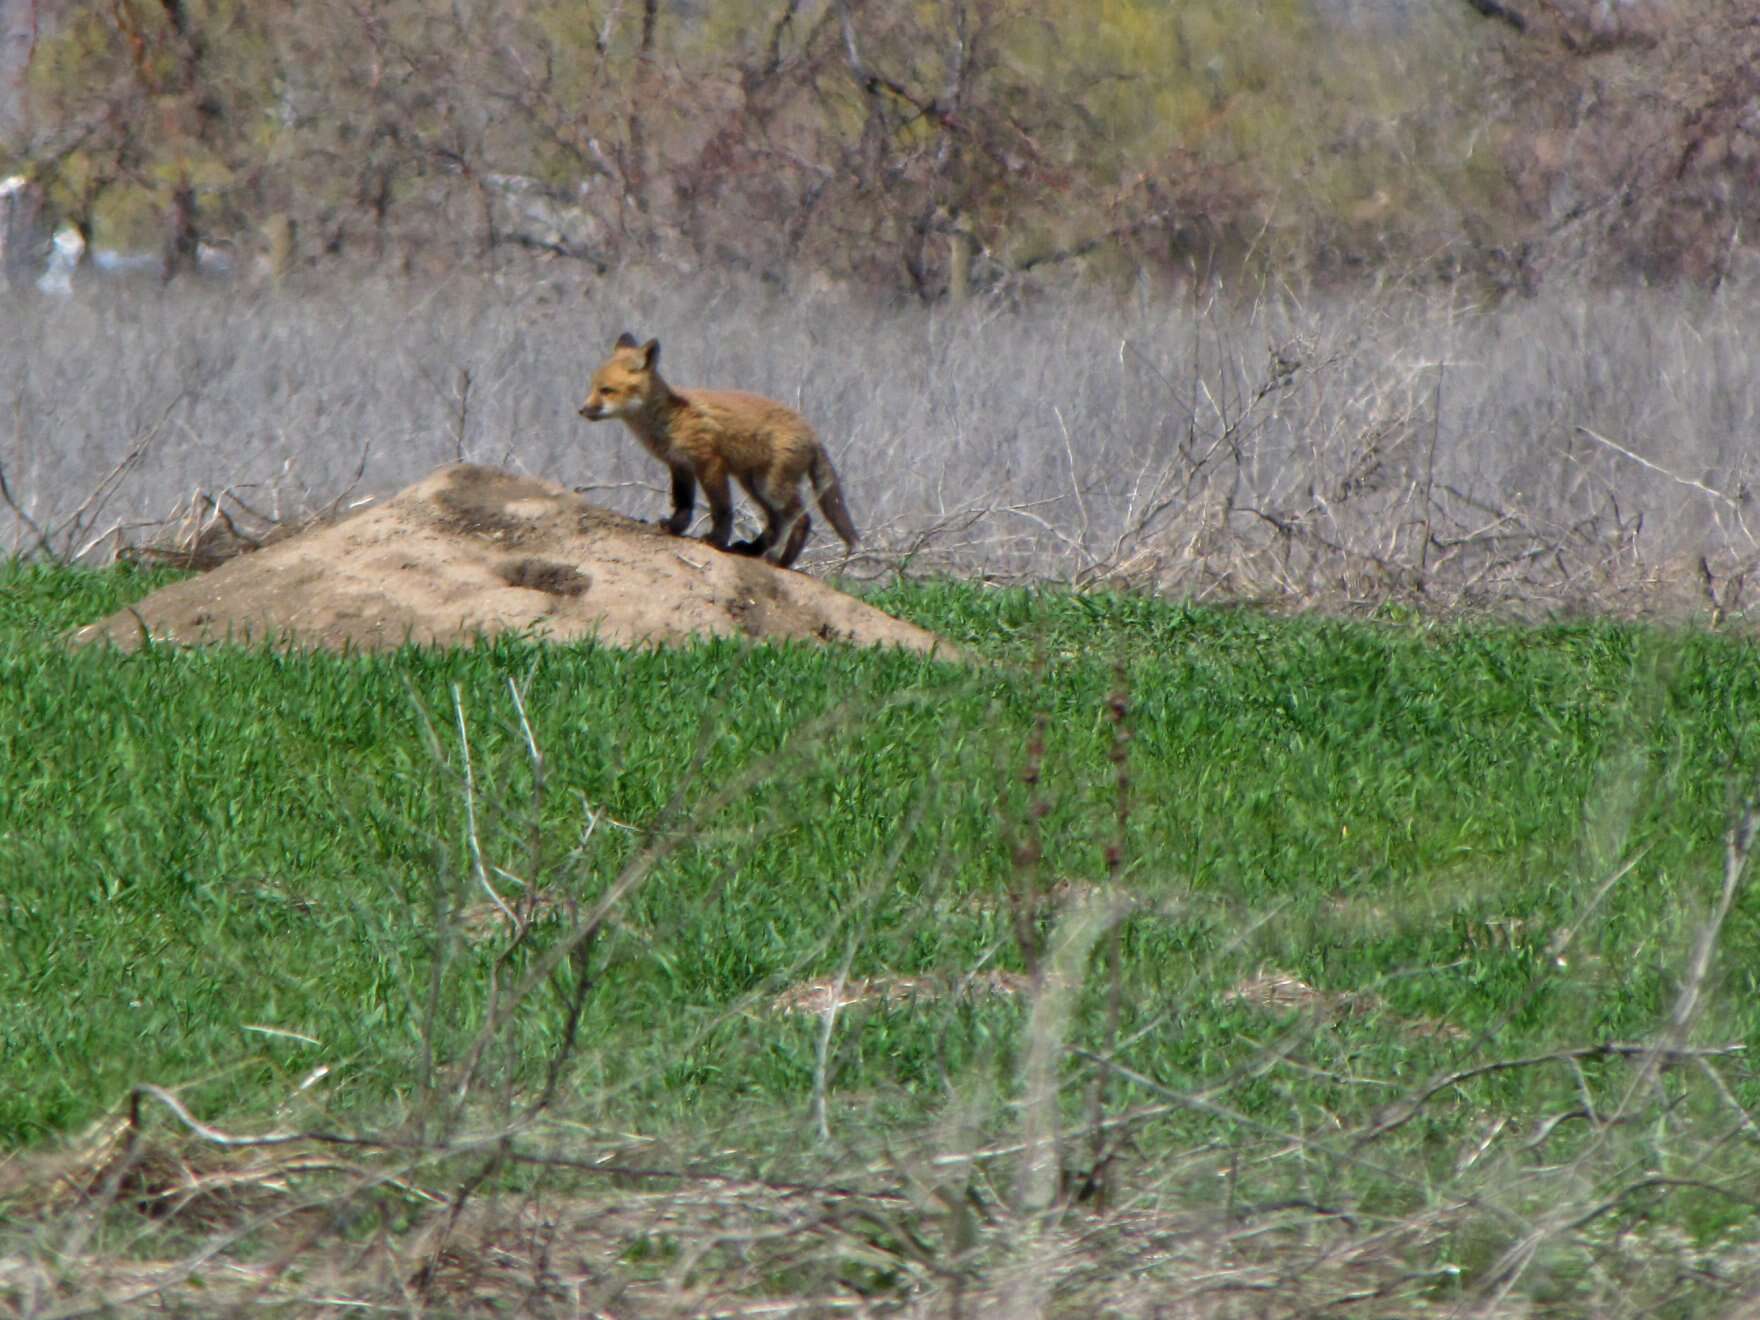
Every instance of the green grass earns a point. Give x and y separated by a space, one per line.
202 849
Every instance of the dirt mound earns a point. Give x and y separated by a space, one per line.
473 551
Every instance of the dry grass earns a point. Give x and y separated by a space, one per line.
835 994
1575 451
1279 992
692 1249
186 1219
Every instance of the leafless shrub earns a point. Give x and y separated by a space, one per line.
207 530
1631 155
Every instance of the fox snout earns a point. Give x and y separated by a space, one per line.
591 411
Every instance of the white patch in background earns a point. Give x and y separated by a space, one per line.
64 255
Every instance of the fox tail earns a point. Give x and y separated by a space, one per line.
830 496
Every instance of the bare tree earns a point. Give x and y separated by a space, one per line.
1634 136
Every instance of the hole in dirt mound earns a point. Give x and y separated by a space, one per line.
546 576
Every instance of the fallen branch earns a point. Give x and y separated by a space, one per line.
1662 1054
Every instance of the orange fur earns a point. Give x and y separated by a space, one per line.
710 437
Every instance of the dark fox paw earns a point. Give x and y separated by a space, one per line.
749 548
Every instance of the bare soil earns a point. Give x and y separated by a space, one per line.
471 552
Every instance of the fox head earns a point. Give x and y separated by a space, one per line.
626 381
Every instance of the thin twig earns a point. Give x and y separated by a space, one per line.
470 811
1661 471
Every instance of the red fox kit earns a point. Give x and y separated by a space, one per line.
709 436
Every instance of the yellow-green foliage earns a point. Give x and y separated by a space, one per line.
1299 111
85 56
161 111
1247 111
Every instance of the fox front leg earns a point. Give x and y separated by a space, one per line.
684 498
714 479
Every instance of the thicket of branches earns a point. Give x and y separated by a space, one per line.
931 149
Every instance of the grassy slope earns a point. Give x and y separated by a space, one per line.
198 845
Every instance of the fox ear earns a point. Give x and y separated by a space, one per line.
627 340
650 353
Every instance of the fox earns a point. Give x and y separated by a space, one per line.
708 436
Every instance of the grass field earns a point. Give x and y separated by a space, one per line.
1233 961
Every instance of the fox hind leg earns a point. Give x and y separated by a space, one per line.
758 489
762 490
788 519
802 524
784 516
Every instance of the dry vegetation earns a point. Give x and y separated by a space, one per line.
1574 451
